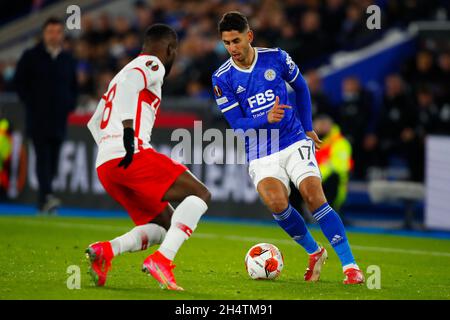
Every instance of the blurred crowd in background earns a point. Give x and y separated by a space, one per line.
416 100
415 103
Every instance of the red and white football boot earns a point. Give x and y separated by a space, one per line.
316 261
160 268
100 255
353 276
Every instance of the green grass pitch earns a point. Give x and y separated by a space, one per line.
36 253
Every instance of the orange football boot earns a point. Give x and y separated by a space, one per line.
100 255
353 276
316 261
160 268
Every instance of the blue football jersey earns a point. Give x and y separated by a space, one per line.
250 94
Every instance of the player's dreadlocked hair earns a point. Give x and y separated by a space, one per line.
159 32
233 20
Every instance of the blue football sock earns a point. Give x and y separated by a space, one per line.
292 222
333 228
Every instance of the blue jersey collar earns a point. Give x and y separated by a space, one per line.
251 67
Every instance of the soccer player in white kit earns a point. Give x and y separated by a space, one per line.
142 180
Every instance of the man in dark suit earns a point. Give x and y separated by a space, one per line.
357 120
46 83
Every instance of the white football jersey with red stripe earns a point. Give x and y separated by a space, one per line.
134 93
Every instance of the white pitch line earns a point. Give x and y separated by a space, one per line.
104 227
407 251
48 221
291 242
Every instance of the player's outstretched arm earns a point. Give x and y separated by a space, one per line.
293 76
128 143
303 102
231 108
276 114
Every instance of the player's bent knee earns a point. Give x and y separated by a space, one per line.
314 200
277 204
204 194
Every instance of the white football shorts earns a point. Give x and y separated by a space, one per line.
294 163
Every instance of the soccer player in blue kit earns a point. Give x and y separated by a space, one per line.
250 90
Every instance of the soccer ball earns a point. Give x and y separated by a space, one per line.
264 261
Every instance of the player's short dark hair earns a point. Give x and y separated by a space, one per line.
233 20
159 32
51 20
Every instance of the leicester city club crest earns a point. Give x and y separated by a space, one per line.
269 74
